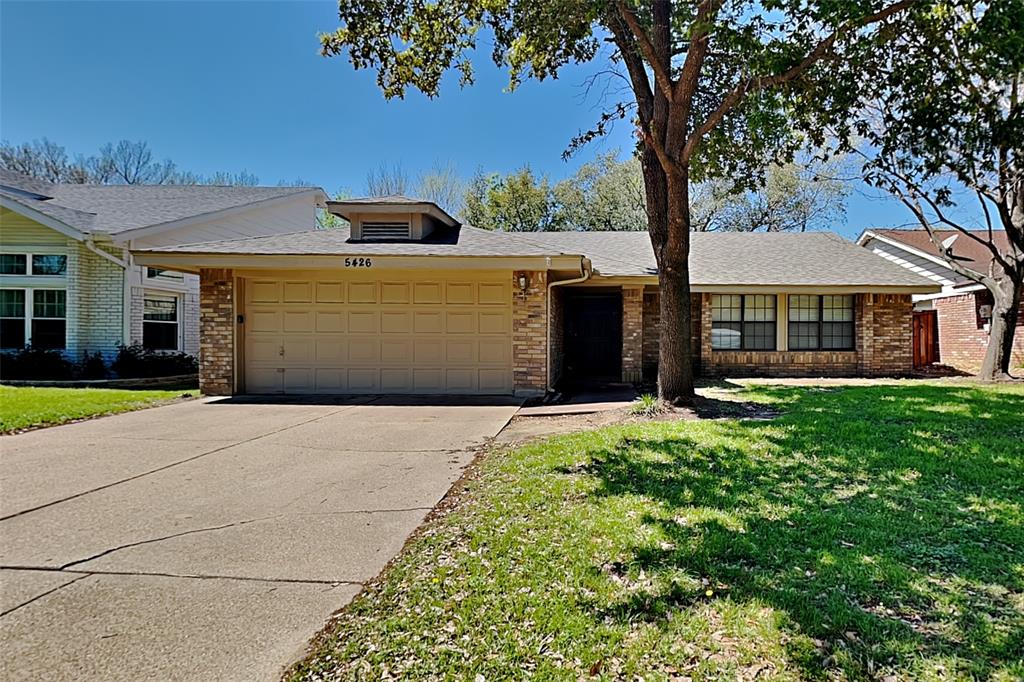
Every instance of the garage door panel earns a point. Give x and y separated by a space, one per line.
261 291
260 351
428 322
362 292
426 293
393 380
298 321
297 379
330 380
298 292
363 351
298 349
330 292
394 292
493 293
460 293
460 351
460 321
264 380
428 352
331 321
460 380
363 380
260 321
363 321
357 334
331 350
397 352
396 321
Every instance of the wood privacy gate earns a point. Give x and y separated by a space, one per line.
926 338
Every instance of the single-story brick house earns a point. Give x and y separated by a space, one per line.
67 277
960 314
407 300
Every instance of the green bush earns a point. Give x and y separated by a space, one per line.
36 363
136 362
92 366
646 405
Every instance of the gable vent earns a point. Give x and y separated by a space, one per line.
385 231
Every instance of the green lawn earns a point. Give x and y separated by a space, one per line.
867 533
25 407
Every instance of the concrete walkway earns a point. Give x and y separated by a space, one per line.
211 539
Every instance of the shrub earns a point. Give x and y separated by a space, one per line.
35 363
646 405
92 366
136 362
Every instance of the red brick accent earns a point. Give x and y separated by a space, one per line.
217 332
557 331
883 339
963 334
632 333
529 333
893 337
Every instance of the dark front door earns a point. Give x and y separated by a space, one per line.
926 338
593 337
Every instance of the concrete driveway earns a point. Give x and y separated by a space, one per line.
211 539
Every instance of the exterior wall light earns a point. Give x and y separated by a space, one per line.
524 282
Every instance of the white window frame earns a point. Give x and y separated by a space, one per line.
29 269
29 315
178 322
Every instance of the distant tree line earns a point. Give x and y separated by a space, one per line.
608 194
117 163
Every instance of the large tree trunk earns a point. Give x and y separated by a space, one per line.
668 216
1006 296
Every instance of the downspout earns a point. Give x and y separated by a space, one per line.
586 270
123 264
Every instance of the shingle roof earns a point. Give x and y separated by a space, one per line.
742 258
24 183
965 250
717 258
112 209
458 241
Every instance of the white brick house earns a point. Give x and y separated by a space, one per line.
67 277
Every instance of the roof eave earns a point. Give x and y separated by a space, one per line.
43 219
156 228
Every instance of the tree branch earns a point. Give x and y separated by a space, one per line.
662 77
749 85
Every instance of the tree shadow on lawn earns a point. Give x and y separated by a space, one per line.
884 522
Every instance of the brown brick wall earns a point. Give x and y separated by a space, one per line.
216 332
557 349
893 338
882 346
632 333
963 334
529 333
652 332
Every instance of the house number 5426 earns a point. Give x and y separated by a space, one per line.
358 263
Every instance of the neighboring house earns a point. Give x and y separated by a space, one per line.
407 300
67 277
962 313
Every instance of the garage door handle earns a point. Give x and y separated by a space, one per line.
281 351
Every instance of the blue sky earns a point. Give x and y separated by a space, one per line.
240 86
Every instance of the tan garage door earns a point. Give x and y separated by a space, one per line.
379 334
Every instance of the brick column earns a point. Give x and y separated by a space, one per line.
865 334
529 333
893 335
632 333
216 332
707 357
